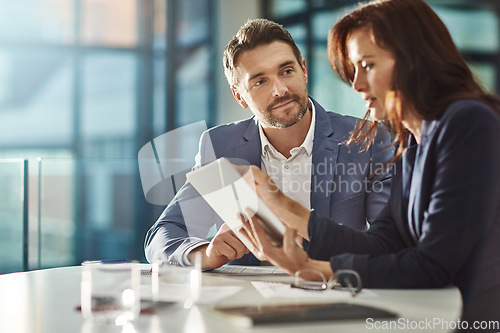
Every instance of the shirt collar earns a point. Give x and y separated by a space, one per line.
308 141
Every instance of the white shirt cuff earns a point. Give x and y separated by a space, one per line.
185 260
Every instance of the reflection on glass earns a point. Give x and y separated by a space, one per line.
109 22
11 215
37 21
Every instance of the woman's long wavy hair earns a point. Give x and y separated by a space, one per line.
429 73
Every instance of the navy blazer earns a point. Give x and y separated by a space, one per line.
341 186
442 222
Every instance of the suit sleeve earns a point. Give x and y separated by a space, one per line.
185 222
329 239
461 185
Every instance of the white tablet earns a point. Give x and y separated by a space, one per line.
229 195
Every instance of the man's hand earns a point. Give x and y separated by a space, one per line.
224 247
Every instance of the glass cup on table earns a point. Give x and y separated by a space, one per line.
110 292
176 284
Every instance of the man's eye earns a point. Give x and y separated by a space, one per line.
258 83
288 71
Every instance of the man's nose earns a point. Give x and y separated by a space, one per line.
279 88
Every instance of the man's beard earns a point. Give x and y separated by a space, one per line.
274 122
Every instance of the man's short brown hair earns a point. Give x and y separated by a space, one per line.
254 33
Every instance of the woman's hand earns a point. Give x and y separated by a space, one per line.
265 187
289 211
289 257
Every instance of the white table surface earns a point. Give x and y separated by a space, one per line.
46 301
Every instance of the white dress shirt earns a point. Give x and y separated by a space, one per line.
292 175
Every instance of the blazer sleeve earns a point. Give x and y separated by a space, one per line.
461 185
185 222
330 239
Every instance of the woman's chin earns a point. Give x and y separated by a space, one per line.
377 114
374 114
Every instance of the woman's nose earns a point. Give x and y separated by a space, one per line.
359 83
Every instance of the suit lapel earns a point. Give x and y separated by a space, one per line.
324 158
250 148
415 204
398 202
408 166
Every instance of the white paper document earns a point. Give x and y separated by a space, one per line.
248 270
273 289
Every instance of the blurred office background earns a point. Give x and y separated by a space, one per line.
84 84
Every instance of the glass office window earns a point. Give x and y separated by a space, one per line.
476 30
193 93
159 75
299 34
194 22
333 94
107 227
37 21
56 212
89 78
159 101
109 22
109 96
35 94
12 180
194 56
485 74
323 21
287 7
104 229
159 25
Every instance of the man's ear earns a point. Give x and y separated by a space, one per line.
238 97
304 67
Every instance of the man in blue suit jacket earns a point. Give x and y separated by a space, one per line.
289 131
